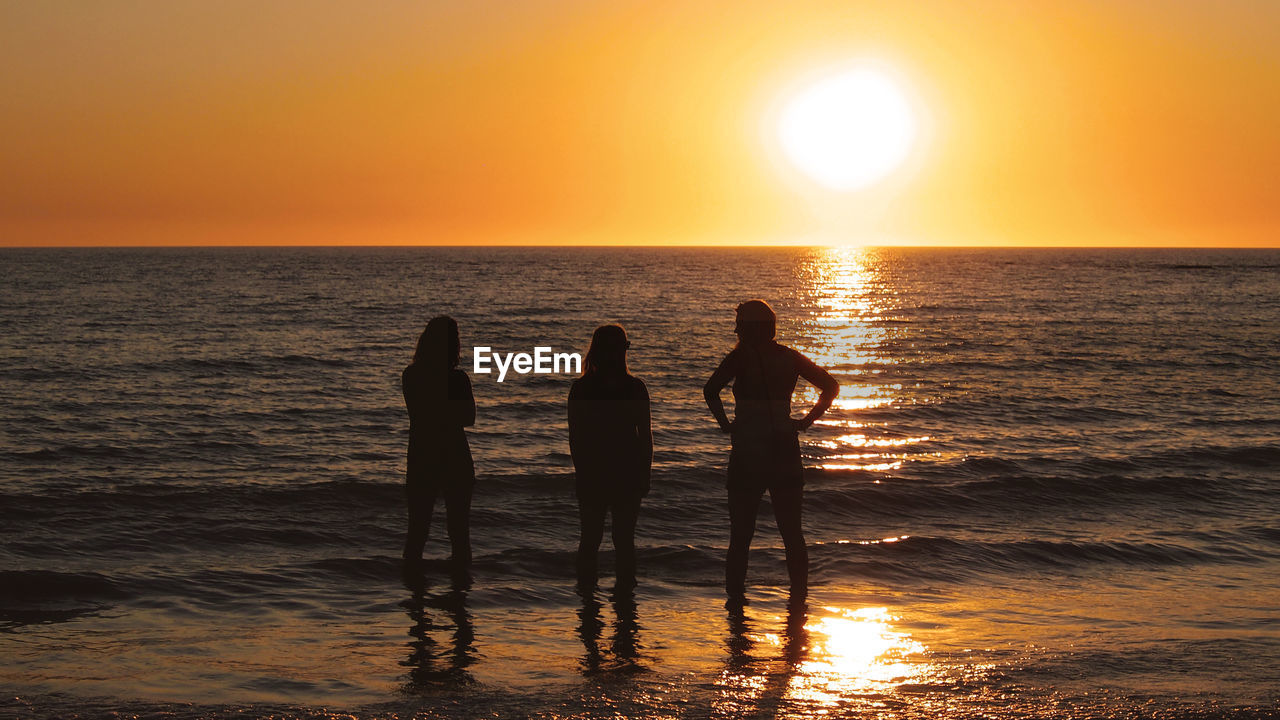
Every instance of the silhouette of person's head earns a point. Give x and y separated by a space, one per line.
608 352
439 346
757 324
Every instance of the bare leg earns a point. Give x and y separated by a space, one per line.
787 506
743 506
591 515
458 517
421 501
625 514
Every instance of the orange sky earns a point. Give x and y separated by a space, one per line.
558 122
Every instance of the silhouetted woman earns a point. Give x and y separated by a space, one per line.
766 443
440 404
612 447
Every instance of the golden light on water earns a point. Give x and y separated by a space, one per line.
860 440
843 311
881 541
870 467
849 301
856 651
818 665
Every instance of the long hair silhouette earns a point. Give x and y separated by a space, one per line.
438 346
438 397
607 354
611 442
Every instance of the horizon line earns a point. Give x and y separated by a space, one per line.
647 246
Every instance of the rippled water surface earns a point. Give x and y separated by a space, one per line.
1049 487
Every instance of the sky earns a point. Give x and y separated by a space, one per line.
311 122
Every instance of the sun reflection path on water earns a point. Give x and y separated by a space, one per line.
849 317
821 664
854 652
844 297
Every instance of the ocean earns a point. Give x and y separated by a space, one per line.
1049 487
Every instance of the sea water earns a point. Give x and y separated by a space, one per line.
1049 486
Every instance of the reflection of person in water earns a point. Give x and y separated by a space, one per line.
755 686
431 665
766 444
438 396
612 446
795 639
625 645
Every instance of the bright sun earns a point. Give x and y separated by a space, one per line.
849 130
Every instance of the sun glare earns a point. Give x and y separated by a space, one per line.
856 652
849 130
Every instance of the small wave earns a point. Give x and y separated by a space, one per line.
1233 266
207 444
11 616
372 568
549 483
1269 534
73 451
948 559
1249 456
674 563
146 499
1096 487
990 488
981 466
374 456
249 364
1121 468
38 585
535 311
306 360
299 496
38 374
219 365
40 596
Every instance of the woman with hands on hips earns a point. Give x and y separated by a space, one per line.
765 451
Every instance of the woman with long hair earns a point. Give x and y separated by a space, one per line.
438 396
611 441
765 453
